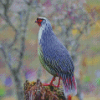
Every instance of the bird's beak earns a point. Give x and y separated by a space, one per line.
36 21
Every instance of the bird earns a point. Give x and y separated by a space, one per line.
55 57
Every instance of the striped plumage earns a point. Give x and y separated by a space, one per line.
54 56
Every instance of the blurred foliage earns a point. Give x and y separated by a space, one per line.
98 81
86 78
2 91
93 61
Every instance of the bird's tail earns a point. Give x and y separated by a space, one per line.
69 85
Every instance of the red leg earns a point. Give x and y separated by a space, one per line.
58 83
69 97
51 83
53 79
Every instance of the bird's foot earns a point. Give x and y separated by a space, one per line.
69 97
45 84
51 83
56 85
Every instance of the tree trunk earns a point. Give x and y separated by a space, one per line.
18 85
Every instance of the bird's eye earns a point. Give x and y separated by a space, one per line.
39 20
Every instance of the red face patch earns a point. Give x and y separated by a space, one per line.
39 20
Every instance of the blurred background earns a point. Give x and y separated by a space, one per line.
75 22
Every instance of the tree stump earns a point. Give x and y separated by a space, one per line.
36 91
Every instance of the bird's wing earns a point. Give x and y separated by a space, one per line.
45 62
58 58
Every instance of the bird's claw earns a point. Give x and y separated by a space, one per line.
45 84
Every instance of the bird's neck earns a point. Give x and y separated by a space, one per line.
40 34
44 35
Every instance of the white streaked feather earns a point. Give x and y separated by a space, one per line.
43 18
40 34
42 27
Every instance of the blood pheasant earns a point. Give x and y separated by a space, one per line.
55 58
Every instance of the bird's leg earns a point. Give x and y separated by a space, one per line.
51 83
53 79
58 83
69 97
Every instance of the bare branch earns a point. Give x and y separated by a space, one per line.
22 50
6 6
6 18
1 3
3 51
16 50
68 28
3 17
16 32
81 31
28 2
9 62
5 57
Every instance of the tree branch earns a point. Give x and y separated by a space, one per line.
1 3
29 2
3 51
5 56
81 31
22 50
9 62
16 32
6 18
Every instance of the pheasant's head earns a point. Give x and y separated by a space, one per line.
45 27
42 21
